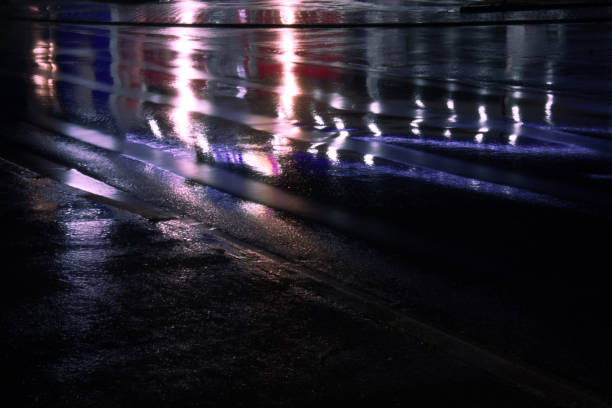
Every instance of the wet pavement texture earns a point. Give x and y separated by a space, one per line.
104 308
455 167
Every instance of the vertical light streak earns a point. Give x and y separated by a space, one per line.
187 11
287 58
516 114
482 112
44 58
186 100
548 107
155 129
515 133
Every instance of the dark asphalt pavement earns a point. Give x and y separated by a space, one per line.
440 175
103 308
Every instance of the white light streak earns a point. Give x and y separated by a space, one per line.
548 107
155 129
374 128
332 153
482 112
203 144
516 113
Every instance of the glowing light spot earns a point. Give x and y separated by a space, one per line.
187 11
319 120
515 134
548 107
416 131
339 123
262 163
332 153
450 104
155 129
287 15
479 138
482 112
516 113
44 55
336 101
241 92
375 107
452 118
415 123
39 80
374 128
242 13
483 129
343 134
419 103
203 144
447 133
368 159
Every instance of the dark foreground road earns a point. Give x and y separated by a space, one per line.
104 308
282 203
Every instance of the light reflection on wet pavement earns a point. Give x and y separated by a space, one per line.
471 141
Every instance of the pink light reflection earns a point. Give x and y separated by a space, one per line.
187 11
287 58
186 100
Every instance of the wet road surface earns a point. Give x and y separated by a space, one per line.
107 309
460 174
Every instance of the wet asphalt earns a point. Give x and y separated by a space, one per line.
102 307
330 201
